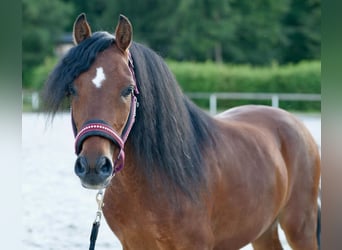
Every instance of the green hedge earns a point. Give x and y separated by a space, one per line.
304 77
37 77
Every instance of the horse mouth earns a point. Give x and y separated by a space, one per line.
95 186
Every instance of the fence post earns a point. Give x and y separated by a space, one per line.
213 104
275 101
35 100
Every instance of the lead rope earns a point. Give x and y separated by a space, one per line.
96 223
99 195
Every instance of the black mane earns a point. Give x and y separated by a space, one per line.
77 60
170 132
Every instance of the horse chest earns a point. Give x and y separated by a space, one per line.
154 223
132 210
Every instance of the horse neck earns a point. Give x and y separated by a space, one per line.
131 176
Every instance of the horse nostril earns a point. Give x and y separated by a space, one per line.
81 166
104 166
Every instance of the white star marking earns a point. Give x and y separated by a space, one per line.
98 79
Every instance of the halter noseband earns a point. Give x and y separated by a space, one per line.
103 129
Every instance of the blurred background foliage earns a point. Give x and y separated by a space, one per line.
256 33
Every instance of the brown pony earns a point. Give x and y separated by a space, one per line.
183 179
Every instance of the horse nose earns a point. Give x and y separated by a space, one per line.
104 167
94 173
81 167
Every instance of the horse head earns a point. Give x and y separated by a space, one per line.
103 106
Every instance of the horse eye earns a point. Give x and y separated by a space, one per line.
71 90
127 91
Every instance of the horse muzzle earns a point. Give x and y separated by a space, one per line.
96 172
96 177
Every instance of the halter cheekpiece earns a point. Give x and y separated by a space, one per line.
103 129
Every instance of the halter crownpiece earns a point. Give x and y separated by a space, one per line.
103 129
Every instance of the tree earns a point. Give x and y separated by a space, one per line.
258 36
201 29
302 26
233 31
43 23
255 32
152 19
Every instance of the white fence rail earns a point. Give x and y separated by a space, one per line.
274 97
32 98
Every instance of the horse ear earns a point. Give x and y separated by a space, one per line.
123 33
81 29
